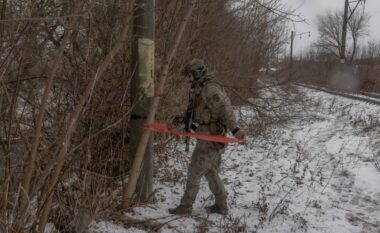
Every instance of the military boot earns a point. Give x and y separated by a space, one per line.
217 209
181 209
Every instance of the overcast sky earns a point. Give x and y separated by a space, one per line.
309 9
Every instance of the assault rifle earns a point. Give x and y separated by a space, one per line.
187 118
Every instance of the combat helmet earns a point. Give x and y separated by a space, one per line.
196 67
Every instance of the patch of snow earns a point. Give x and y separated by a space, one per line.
314 173
105 227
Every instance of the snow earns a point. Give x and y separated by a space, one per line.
50 228
318 172
368 178
103 227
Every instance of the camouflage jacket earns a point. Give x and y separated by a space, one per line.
212 108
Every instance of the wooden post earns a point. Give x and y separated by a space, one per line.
142 89
129 189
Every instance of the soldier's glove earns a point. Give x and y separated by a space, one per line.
239 135
178 120
193 127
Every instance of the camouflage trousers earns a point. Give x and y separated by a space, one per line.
205 161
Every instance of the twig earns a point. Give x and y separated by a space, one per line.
331 175
148 223
274 211
37 133
38 19
65 140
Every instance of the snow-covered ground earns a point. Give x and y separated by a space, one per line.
317 172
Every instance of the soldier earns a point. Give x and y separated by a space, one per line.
212 113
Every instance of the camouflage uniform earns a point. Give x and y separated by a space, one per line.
213 112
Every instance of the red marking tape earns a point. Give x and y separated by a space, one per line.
163 128
158 92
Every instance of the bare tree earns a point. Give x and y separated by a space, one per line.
330 32
61 150
358 25
234 39
370 66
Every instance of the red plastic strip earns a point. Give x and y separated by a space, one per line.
158 92
163 128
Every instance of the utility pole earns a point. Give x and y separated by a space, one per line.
129 188
291 55
344 33
292 36
346 17
142 90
